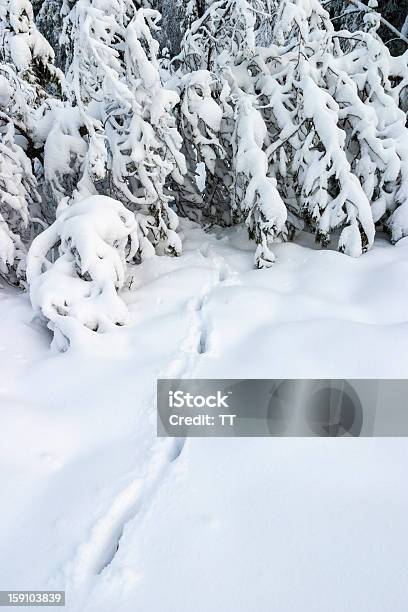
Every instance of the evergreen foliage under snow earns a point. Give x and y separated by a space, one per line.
275 114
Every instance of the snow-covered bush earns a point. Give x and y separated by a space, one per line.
125 120
93 31
207 125
26 71
335 138
49 22
18 193
142 138
216 37
213 119
23 46
257 199
19 196
354 15
77 266
200 119
343 135
65 154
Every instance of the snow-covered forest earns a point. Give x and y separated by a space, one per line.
281 116
199 189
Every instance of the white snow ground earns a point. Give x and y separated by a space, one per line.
227 525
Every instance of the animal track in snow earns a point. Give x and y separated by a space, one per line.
199 304
223 275
202 343
98 552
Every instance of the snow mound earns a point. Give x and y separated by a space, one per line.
76 267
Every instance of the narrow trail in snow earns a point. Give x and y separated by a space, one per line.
98 552
223 273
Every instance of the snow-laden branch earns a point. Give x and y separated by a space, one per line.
367 9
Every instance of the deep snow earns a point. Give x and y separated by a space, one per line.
210 524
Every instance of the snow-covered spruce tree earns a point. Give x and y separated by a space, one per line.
329 196
25 69
215 32
256 196
218 35
92 37
18 200
23 46
214 113
143 141
76 267
338 138
49 22
124 117
266 14
200 119
352 15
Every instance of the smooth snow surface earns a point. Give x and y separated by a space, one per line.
227 525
